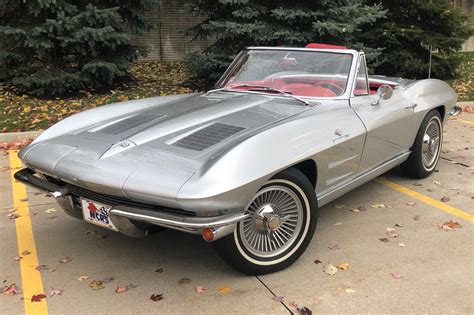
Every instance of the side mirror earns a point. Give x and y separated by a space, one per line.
384 92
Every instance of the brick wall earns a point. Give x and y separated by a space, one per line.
468 7
167 41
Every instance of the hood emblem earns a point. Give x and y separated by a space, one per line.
118 147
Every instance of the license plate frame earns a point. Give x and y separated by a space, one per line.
97 213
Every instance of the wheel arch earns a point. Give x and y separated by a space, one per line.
309 169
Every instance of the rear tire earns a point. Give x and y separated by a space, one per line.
281 225
426 148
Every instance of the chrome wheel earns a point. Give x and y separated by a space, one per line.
431 143
275 222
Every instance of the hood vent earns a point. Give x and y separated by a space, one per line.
126 124
208 136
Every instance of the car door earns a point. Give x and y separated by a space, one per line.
390 123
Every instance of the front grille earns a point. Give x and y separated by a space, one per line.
110 200
208 136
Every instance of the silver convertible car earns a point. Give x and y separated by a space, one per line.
247 164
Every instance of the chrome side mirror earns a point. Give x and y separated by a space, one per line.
384 92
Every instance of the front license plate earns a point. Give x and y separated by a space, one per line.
97 213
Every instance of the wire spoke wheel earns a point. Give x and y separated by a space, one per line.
275 222
431 143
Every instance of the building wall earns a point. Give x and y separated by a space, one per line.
167 40
468 7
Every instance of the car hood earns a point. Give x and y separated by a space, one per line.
172 141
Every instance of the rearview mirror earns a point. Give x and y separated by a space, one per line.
384 92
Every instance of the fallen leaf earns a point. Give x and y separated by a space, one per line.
25 252
355 210
96 285
305 311
334 247
391 232
11 289
13 216
51 210
399 224
224 290
156 297
383 239
339 206
396 275
54 292
349 290
337 224
436 182
184 281
24 199
317 261
293 304
38 297
121 289
417 184
65 260
416 218
378 205
401 245
343 266
200 289
17 258
82 278
445 199
278 298
449 226
42 267
159 270
330 269
107 279
430 190
411 203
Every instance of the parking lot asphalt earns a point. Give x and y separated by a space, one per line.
424 270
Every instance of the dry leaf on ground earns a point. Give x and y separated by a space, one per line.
349 290
449 226
343 266
184 281
396 275
278 298
96 285
224 290
38 297
200 289
25 252
65 260
317 261
82 278
378 205
391 232
330 269
305 311
445 199
54 292
11 289
156 297
334 247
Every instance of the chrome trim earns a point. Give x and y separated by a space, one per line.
456 110
361 179
170 220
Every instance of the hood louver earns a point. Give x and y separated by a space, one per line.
208 136
127 124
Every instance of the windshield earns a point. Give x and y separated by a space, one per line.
299 73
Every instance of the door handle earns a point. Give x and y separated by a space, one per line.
412 106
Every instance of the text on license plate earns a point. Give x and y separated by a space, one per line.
97 213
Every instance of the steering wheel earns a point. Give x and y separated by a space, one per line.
331 86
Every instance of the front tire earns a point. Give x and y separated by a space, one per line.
281 225
426 149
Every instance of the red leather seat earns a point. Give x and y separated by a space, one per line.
307 90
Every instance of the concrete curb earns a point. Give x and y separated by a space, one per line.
14 136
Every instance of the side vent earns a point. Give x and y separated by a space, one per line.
208 136
127 123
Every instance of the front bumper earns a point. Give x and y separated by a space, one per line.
124 213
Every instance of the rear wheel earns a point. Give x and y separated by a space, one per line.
427 147
281 224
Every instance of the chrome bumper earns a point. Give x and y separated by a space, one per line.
123 215
455 111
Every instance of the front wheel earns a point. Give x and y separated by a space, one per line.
427 147
281 224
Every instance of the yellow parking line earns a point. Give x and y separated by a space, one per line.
467 122
435 203
30 277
